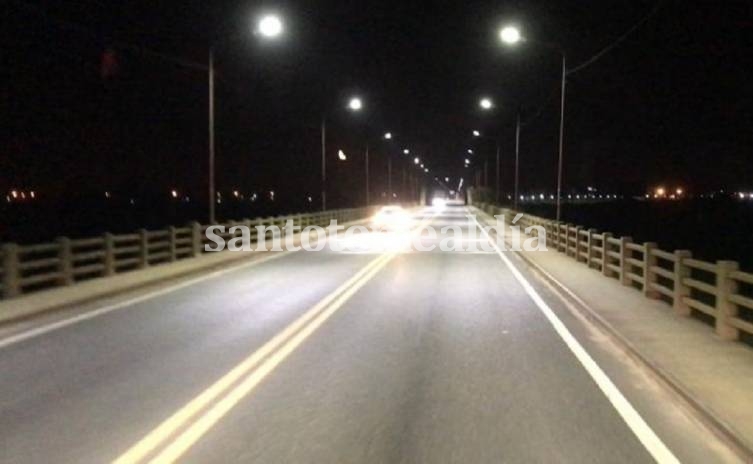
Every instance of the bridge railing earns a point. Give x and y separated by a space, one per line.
716 291
65 261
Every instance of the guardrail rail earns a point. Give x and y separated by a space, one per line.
65 261
718 292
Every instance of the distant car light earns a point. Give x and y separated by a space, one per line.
391 217
439 203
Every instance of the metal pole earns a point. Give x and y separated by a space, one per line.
486 171
562 135
324 163
497 181
389 178
211 192
403 191
368 201
517 161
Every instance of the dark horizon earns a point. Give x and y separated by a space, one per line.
113 98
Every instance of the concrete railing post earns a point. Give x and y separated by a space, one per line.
649 276
65 261
625 253
143 248
605 244
577 243
196 239
172 248
11 272
681 291
109 254
590 247
725 309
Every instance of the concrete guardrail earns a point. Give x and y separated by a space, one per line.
719 290
28 268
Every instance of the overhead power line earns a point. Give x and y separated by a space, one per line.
617 41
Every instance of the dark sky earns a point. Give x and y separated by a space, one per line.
671 104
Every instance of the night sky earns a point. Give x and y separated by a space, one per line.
112 96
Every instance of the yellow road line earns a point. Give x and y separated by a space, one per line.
255 368
177 420
203 424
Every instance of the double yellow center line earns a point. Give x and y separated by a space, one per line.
178 433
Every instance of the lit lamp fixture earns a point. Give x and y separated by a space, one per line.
388 136
510 35
355 104
341 155
270 26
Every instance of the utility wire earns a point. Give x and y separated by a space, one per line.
618 41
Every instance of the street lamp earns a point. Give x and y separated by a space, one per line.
355 104
269 27
388 136
486 103
476 133
511 35
406 152
416 160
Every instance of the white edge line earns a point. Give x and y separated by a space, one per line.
645 434
36 332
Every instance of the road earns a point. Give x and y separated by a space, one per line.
340 357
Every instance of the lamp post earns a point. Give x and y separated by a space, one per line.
511 35
269 27
486 104
355 104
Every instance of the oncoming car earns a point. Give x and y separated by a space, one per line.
391 218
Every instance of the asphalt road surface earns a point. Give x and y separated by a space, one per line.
366 356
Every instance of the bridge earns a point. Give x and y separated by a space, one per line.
375 353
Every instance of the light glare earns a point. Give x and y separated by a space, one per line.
270 26
510 35
355 104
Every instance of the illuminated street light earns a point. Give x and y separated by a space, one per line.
341 155
406 152
486 103
422 165
388 136
510 35
270 26
355 104
416 160
467 161
426 170
476 133
470 152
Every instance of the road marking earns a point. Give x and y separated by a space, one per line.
45 329
645 434
168 427
200 427
256 367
